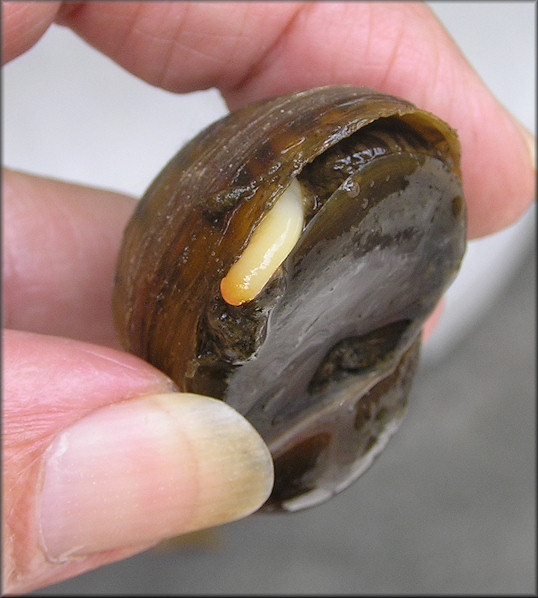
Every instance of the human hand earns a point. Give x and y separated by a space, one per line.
206 45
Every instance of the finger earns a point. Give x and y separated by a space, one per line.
61 243
23 23
432 321
101 459
252 50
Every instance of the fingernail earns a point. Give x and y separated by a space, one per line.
147 469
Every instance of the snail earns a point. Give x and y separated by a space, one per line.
285 261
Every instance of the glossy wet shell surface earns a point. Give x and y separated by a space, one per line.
321 361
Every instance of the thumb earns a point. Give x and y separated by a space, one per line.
101 460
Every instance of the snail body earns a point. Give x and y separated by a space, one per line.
285 261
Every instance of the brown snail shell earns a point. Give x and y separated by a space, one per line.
321 359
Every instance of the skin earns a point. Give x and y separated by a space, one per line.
248 51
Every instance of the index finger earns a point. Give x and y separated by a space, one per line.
251 50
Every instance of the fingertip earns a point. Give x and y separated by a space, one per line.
432 321
498 169
23 23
